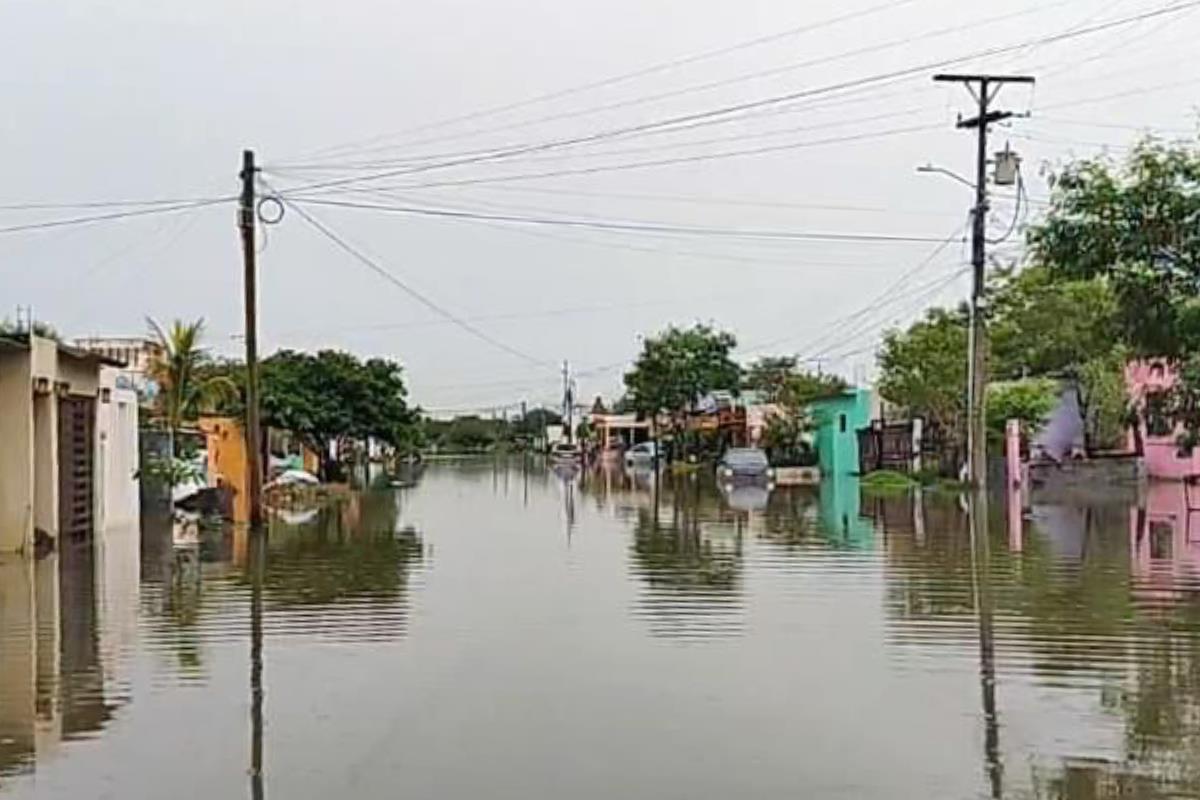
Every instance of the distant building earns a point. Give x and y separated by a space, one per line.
137 354
70 441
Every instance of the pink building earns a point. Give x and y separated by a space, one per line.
1148 383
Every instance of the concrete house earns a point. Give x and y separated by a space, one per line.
68 443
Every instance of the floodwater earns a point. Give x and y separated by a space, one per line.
501 631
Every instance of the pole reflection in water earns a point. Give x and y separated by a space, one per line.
257 568
981 573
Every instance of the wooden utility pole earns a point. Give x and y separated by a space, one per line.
984 88
246 222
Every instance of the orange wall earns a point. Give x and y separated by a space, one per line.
227 460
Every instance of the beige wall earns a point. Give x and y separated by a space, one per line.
45 463
16 452
29 442
18 656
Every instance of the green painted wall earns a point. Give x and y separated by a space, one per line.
838 420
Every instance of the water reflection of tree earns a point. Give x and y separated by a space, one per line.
352 553
1067 603
692 575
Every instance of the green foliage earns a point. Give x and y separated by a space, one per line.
1042 325
1183 403
333 395
788 440
187 386
779 380
1029 401
679 366
1133 224
466 434
887 482
1104 400
159 471
924 369
8 328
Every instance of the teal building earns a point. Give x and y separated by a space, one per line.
838 420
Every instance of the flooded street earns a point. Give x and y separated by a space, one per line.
502 631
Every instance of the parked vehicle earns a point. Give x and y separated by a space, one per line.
744 464
565 451
641 454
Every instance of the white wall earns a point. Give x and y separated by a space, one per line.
117 463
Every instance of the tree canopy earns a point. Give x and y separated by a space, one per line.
679 366
924 368
1133 224
780 380
333 395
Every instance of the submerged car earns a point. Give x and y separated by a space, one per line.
641 454
744 464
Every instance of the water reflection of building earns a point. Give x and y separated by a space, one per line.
66 623
1164 543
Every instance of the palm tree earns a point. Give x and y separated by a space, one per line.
184 390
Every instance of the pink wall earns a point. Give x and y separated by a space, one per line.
1143 378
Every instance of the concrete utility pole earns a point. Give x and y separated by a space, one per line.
246 221
984 89
568 403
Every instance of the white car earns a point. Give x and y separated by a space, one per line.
644 453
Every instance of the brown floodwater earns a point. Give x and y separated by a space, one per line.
502 631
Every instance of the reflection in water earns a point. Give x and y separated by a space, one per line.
256 568
840 644
690 561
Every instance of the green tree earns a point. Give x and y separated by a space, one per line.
679 366
924 370
780 380
1065 328
186 385
1133 224
1028 401
332 396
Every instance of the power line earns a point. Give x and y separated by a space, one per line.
411 292
888 295
758 74
117 215
668 162
738 108
638 73
632 227
907 112
48 206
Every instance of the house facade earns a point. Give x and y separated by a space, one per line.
68 465
1148 384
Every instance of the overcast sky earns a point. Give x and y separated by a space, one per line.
137 100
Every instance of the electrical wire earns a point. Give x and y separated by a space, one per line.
379 270
905 42
885 297
627 76
83 205
117 215
1016 218
631 227
739 108
669 162
931 290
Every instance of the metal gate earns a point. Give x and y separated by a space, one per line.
887 446
76 467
